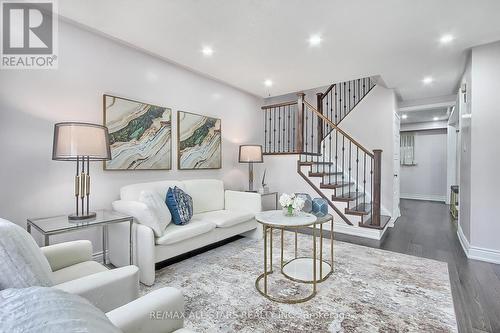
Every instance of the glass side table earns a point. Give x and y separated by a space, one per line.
55 225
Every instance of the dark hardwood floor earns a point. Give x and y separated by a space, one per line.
425 229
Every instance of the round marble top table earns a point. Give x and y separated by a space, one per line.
309 270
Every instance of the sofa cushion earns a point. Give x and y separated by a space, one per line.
180 205
177 233
49 310
77 271
207 194
160 213
225 218
21 260
132 192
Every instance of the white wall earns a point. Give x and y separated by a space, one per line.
370 123
427 179
485 152
32 101
464 167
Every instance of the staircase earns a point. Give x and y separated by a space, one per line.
334 164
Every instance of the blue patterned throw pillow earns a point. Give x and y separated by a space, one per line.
180 205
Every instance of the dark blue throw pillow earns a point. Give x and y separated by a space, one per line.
180 205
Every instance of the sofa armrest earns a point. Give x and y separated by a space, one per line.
106 290
160 311
243 201
67 254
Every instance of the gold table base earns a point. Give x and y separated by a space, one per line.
315 280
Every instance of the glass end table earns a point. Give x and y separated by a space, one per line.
55 225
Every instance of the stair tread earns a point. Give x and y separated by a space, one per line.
322 174
335 185
350 196
322 163
361 209
383 221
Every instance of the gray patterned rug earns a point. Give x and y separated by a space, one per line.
370 290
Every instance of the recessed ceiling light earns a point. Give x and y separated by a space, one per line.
207 51
467 116
428 80
446 39
315 40
435 118
268 83
404 116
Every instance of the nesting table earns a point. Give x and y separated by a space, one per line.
309 269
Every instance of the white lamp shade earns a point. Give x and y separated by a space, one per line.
250 153
72 140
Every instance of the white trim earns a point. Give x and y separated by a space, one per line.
344 228
427 197
476 252
463 240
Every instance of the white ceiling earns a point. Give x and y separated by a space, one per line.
256 40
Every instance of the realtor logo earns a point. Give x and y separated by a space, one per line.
29 35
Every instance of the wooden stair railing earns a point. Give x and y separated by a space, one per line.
289 130
345 166
348 168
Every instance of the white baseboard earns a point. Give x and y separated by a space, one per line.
369 233
440 198
475 252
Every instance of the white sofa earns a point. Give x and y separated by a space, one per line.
218 215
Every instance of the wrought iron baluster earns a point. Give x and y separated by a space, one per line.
293 130
349 178
274 130
357 175
371 187
336 155
349 92
265 130
345 104
279 129
343 158
364 180
270 134
289 128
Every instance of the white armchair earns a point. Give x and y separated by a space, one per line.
160 311
66 266
44 310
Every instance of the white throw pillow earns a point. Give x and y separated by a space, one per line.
49 310
21 260
158 207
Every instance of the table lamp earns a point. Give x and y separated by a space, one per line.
250 154
81 143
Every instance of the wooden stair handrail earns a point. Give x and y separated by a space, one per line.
277 105
328 121
328 90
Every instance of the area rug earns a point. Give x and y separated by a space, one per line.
370 290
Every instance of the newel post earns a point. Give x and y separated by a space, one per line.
319 105
300 123
377 183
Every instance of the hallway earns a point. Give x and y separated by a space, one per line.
425 229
